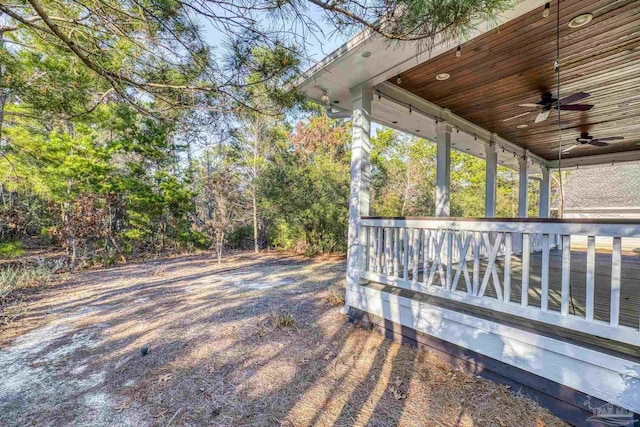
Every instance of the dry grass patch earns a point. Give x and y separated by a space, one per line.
335 294
227 350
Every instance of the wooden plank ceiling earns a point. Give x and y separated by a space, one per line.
500 70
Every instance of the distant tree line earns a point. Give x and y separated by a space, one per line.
123 132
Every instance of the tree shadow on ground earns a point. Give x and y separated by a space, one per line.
218 355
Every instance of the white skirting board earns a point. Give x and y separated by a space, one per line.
600 375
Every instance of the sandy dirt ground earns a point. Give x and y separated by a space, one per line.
217 357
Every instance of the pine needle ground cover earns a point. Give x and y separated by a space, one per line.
254 341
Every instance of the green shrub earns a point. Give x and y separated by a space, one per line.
11 249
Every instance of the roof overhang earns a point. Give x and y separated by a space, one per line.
368 59
346 67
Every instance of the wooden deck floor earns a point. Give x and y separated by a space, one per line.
629 292
629 301
630 287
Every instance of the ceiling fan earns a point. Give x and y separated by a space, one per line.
548 102
586 139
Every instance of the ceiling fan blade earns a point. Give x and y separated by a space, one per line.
573 98
515 117
542 116
576 107
598 143
571 147
529 105
611 138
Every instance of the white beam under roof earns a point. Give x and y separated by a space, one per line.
596 160
473 136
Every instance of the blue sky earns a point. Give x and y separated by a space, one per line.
318 46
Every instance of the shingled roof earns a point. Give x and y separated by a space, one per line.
603 187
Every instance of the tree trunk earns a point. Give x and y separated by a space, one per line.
70 240
219 247
3 100
255 222
406 186
254 195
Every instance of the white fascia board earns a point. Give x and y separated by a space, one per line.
334 58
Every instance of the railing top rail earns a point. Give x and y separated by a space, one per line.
585 227
628 221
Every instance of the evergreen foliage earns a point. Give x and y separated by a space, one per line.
124 133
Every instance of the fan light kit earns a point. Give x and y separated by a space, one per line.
580 20
443 76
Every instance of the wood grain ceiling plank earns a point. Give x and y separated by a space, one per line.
500 70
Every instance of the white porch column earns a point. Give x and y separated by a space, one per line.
491 175
523 182
523 199
360 178
443 169
545 193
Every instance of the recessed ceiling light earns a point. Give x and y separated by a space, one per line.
366 54
395 122
337 101
443 76
417 130
522 126
580 20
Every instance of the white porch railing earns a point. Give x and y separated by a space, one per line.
435 256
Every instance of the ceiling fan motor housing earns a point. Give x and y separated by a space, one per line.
584 138
547 101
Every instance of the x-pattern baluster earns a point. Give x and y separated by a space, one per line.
437 261
462 263
491 266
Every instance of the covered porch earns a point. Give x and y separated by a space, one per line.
473 262
534 298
